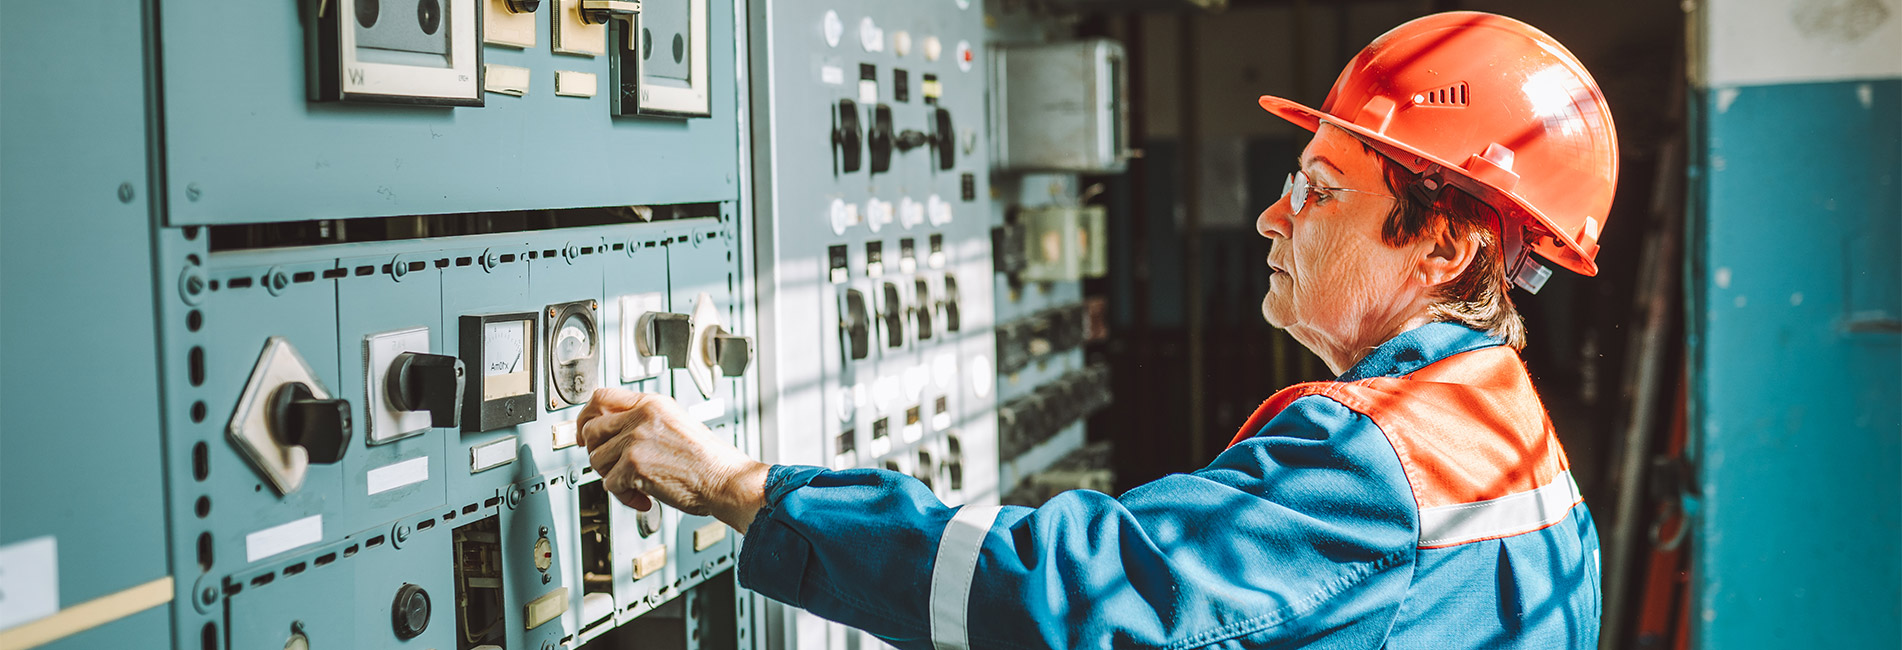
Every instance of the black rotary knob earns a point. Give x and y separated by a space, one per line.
427 382
410 614
320 425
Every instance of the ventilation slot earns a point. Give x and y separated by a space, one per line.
1454 95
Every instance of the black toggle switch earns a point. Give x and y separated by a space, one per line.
951 321
880 138
944 139
320 426
893 313
847 136
427 382
1007 248
523 6
410 613
922 315
909 139
855 325
665 335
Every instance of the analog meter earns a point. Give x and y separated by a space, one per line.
574 353
501 349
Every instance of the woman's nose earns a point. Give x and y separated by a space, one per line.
1273 222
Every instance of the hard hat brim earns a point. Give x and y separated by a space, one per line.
1569 254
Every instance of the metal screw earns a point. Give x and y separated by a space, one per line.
208 596
192 191
402 533
125 193
279 280
594 305
194 285
551 312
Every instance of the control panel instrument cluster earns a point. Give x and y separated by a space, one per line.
392 425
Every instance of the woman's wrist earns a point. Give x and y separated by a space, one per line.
743 496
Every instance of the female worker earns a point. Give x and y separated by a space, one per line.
1419 500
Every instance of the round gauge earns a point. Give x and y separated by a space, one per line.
544 554
833 28
573 347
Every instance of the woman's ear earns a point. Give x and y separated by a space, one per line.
1447 256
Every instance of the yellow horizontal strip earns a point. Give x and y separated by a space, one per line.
88 615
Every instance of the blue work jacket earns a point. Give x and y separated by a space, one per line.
1418 501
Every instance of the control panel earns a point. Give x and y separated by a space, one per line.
401 431
872 198
379 329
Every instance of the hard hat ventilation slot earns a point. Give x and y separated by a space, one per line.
1453 95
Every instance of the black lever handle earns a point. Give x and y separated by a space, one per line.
666 335
427 382
856 325
320 426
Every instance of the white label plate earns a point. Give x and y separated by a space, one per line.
390 477
492 455
29 581
711 409
283 537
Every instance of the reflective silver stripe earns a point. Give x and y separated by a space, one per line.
951 575
1508 515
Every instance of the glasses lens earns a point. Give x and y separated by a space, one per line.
1297 192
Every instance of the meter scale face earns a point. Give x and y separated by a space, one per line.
503 347
574 353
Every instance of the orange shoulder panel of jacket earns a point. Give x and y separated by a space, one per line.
1467 428
1277 402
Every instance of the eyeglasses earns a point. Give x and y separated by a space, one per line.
1299 199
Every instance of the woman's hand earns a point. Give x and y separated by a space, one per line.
647 448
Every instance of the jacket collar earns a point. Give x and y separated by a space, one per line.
1418 348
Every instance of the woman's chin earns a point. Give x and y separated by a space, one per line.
1273 311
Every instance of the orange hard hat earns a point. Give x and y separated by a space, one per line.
1497 108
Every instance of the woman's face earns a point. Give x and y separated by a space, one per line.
1336 285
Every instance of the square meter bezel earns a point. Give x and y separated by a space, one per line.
337 70
480 412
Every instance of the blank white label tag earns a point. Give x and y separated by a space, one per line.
708 410
832 74
868 92
390 477
494 454
278 539
572 83
29 581
505 79
563 434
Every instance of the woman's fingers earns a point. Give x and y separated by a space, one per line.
604 402
598 429
625 483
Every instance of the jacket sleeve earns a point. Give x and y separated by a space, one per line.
1304 533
